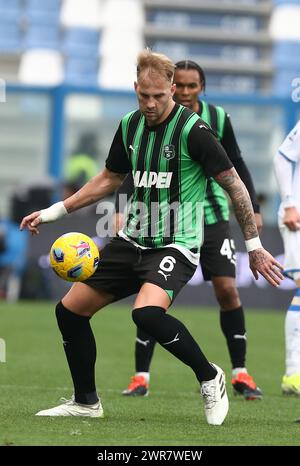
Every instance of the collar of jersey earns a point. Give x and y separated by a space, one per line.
166 121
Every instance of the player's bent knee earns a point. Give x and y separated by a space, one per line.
146 317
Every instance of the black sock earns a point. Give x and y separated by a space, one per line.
80 348
144 347
174 337
233 327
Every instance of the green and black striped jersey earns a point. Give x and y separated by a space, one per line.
216 204
170 165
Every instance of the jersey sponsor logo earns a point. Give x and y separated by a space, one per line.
149 179
169 151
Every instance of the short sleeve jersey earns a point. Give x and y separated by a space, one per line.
170 165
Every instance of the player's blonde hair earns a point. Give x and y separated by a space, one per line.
155 63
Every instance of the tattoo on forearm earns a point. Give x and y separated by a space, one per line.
230 181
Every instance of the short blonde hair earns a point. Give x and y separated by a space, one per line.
155 62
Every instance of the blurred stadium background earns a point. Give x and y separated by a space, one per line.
66 77
67 68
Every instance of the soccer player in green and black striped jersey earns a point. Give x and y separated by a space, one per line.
171 153
217 257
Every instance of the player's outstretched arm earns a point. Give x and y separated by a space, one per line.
260 260
98 187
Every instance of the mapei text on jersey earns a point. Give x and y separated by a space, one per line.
148 179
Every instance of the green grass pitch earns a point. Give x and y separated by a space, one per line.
35 376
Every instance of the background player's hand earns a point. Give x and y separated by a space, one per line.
31 221
263 262
291 218
259 222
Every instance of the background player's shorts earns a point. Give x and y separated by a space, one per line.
291 242
124 268
217 255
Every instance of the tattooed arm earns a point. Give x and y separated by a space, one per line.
260 260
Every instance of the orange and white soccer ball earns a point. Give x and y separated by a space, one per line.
74 257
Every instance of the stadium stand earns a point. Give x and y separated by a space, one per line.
284 30
230 39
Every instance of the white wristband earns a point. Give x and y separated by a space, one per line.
53 213
252 244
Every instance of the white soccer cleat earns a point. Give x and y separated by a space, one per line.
71 408
215 398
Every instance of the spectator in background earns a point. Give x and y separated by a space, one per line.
287 170
82 164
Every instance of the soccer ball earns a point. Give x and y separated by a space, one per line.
74 257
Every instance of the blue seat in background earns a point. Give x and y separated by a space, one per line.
286 53
81 42
41 17
10 26
10 5
81 72
10 38
42 12
285 2
38 36
14 257
282 82
43 5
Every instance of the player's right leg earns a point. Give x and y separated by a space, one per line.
149 313
109 283
73 315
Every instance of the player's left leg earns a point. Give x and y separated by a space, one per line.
150 314
164 273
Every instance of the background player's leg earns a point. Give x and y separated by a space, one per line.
291 379
232 320
144 347
73 314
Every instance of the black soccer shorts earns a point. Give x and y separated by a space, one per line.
217 255
123 268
